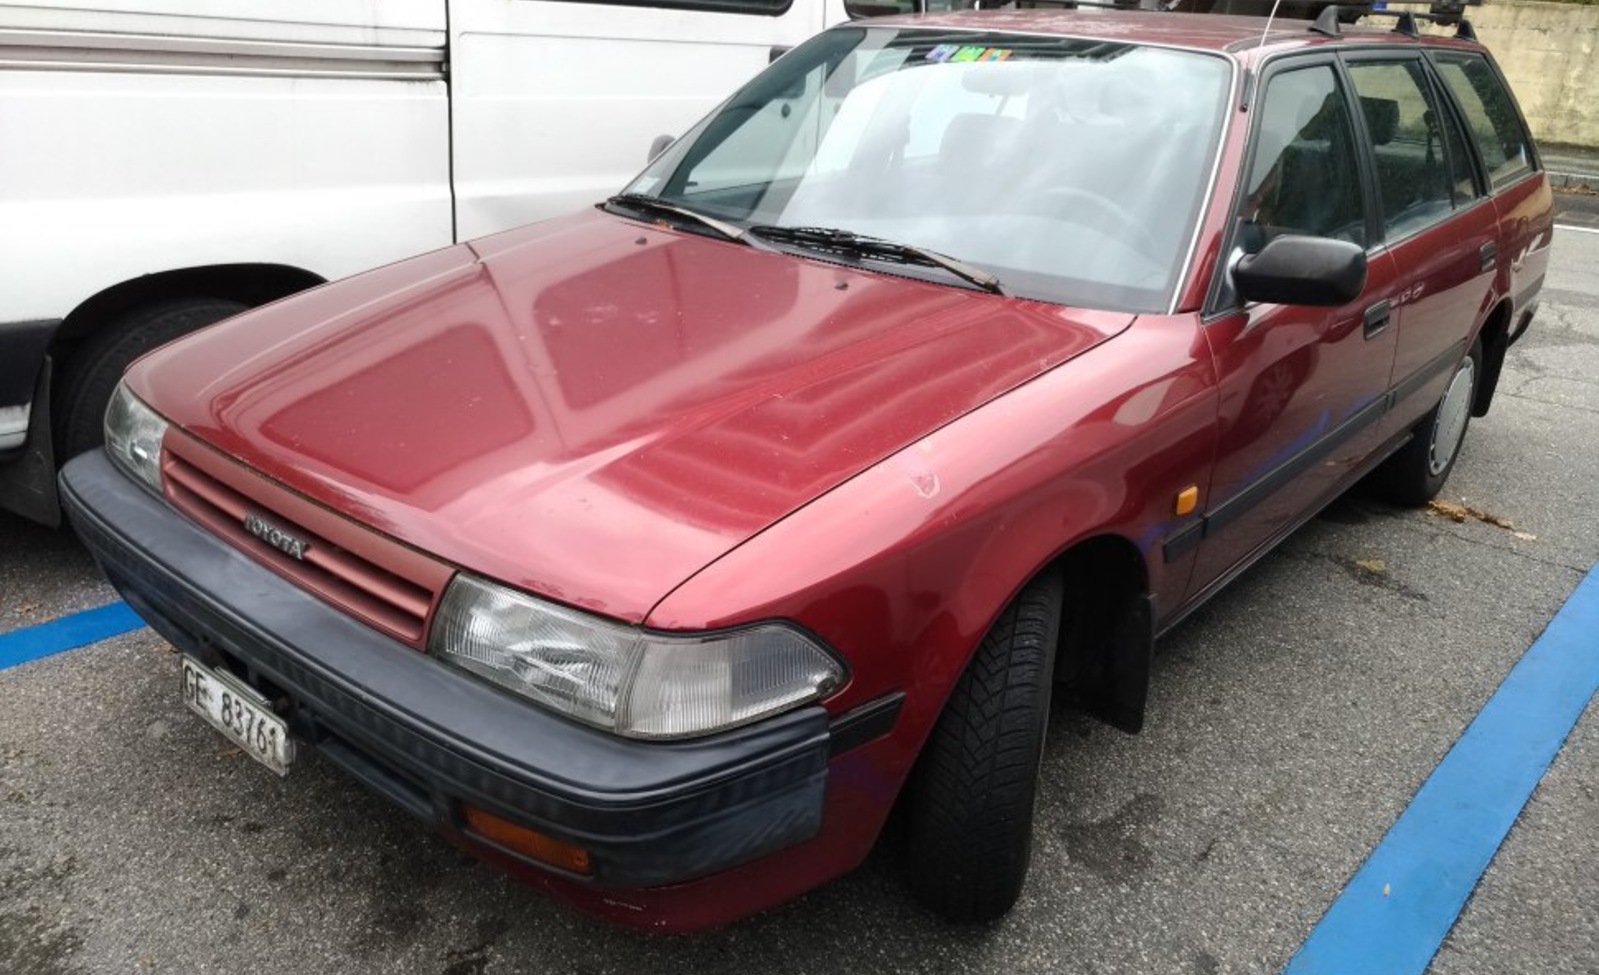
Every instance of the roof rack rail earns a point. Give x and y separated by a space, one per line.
1331 19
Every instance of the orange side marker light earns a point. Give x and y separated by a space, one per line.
1187 500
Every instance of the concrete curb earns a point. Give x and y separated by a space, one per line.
1562 181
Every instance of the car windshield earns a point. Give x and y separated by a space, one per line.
1070 170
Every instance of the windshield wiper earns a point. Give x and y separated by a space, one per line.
654 204
833 238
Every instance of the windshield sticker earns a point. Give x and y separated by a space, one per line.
955 53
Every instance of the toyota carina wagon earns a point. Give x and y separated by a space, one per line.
658 552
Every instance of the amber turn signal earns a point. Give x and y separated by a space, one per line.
529 843
1187 500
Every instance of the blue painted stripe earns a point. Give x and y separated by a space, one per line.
67 633
1401 904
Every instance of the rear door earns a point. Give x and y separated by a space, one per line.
1436 224
555 104
1522 200
1302 388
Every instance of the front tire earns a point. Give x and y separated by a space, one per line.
1417 471
970 799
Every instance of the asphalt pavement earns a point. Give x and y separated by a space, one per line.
1291 721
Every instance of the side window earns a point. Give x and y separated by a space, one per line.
1408 144
1490 114
1303 178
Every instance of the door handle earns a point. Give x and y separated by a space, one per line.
1377 317
1488 255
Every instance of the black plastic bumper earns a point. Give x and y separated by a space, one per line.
427 736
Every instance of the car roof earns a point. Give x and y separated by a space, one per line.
1226 33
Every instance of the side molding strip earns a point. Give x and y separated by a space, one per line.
1178 544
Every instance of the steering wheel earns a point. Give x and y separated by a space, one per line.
1135 233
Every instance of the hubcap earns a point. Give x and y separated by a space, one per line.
1450 425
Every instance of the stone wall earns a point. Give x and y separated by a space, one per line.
1550 54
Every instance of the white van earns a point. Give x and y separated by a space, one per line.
168 163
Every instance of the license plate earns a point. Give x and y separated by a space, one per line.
240 713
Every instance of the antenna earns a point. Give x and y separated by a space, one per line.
1269 18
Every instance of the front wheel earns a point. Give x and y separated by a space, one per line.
1416 472
970 800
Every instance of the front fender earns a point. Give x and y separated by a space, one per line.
904 567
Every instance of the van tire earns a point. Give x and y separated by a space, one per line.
92 372
969 815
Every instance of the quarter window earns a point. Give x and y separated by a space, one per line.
1490 114
1408 144
1303 178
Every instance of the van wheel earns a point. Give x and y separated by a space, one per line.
1416 472
92 373
969 815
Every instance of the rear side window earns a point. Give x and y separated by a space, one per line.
1490 115
1303 178
1408 143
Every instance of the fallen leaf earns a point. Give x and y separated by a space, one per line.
1460 513
1374 566
230 753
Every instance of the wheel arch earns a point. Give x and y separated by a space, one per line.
247 284
1107 632
1495 338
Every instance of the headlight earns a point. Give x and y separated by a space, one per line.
133 435
625 679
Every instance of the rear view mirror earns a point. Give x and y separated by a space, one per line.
660 145
1292 270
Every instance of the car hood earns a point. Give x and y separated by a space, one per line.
592 408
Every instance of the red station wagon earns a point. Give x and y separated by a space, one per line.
658 552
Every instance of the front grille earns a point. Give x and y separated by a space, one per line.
370 576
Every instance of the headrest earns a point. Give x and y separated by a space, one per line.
1382 118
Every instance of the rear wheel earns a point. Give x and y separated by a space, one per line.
93 371
969 820
1417 471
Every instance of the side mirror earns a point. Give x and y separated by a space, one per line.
1292 270
660 144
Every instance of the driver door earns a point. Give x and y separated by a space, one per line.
1301 388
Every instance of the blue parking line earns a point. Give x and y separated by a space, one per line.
67 633
1401 904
